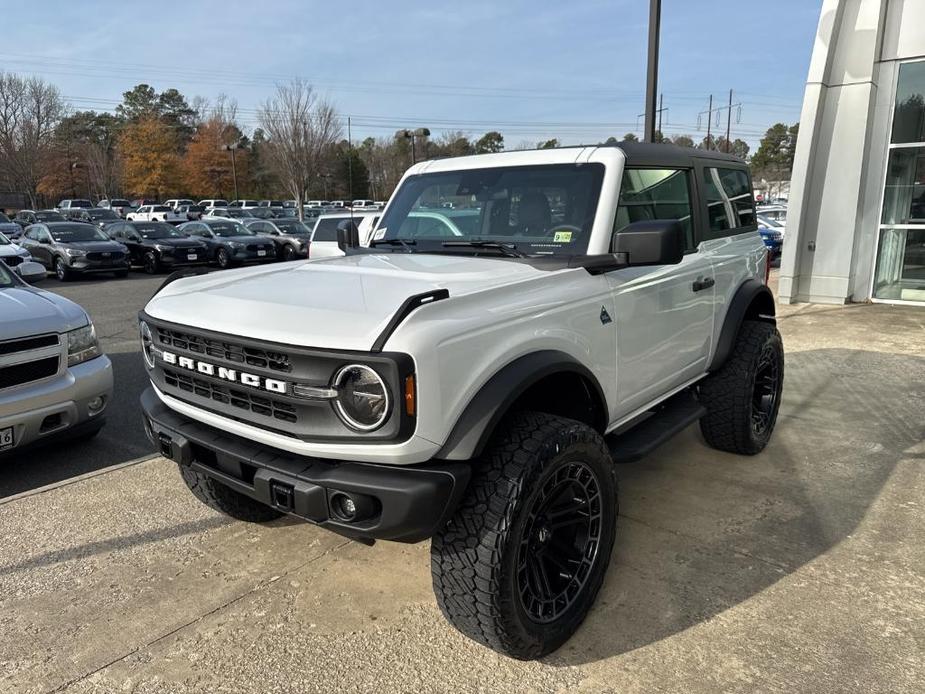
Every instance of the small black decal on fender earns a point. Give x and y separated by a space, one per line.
605 317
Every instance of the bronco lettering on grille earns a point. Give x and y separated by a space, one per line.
269 384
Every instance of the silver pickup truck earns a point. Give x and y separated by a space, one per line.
54 380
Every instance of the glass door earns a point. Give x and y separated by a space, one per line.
900 272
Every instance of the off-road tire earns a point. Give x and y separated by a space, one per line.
226 500
729 394
474 558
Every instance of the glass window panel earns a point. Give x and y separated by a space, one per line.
904 195
655 194
909 113
730 201
900 271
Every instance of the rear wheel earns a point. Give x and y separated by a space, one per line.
518 566
743 397
225 499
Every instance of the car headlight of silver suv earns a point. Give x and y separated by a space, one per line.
362 400
82 345
74 252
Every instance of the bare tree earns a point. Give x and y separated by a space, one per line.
301 130
29 111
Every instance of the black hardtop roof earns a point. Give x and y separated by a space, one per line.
653 154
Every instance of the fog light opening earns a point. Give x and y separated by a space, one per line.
352 508
96 405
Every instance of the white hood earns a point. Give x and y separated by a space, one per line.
336 303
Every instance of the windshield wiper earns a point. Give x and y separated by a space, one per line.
405 243
508 249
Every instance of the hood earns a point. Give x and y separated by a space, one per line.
12 249
26 311
177 243
94 246
338 303
9 227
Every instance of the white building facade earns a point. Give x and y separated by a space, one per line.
856 218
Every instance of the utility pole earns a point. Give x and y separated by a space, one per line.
661 109
709 122
234 168
655 18
729 123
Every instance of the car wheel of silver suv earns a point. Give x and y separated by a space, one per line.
518 566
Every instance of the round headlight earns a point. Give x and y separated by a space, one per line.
362 397
147 343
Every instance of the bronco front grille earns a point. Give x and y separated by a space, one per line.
12 260
221 349
19 374
235 397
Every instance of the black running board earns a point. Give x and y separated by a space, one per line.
667 419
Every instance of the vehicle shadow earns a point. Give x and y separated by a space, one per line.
702 531
122 438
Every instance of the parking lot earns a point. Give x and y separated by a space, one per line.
802 569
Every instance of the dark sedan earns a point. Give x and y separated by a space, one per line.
290 236
74 248
9 228
26 217
230 242
156 246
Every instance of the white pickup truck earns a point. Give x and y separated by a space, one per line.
156 213
474 378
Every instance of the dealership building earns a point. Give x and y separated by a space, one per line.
856 221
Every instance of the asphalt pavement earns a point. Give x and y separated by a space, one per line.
113 304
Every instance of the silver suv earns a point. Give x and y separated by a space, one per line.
54 380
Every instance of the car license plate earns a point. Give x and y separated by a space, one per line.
6 438
192 256
261 252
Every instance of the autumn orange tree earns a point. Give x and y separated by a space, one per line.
207 165
150 159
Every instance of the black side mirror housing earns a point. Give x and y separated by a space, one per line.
348 235
652 242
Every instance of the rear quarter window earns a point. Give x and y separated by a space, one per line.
729 201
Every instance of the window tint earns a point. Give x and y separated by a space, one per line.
730 203
656 194
326 229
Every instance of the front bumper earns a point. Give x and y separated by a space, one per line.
56 407
403 503
78 264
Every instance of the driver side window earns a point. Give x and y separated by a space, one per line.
647 194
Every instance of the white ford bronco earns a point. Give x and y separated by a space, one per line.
475 374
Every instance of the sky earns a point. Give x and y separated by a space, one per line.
533 70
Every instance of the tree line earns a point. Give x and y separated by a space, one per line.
160 144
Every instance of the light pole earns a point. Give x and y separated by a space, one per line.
234 168
655 19
411 135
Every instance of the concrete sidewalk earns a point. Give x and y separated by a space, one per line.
802 569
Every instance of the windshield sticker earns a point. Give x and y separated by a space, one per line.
380 234
562 237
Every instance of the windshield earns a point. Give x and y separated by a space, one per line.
543 210
49 217
292 226
226 229
4 241
158 230
6 278
118 202
102 213
68 233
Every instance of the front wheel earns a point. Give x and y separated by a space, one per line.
62 271
151 263
520 563
223 258
742 398
226 500
288 252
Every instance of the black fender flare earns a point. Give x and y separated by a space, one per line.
475 426
752 299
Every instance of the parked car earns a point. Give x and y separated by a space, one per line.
155 213
773 240
72 249
100 216
230 243
74 202
290 236
244 203
191 211
76 214
8 227
144 201
360 204
271 203
13 255
776 212
780 225
230 212
262 212
120 206
175 203
213 202
324 233
57 382
24 218
156 246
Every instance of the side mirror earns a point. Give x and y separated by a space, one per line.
31 271
653 242
348 235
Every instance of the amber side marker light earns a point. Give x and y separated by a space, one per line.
409 395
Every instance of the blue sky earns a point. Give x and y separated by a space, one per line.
533 70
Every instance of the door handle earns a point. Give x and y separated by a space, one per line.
702 283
